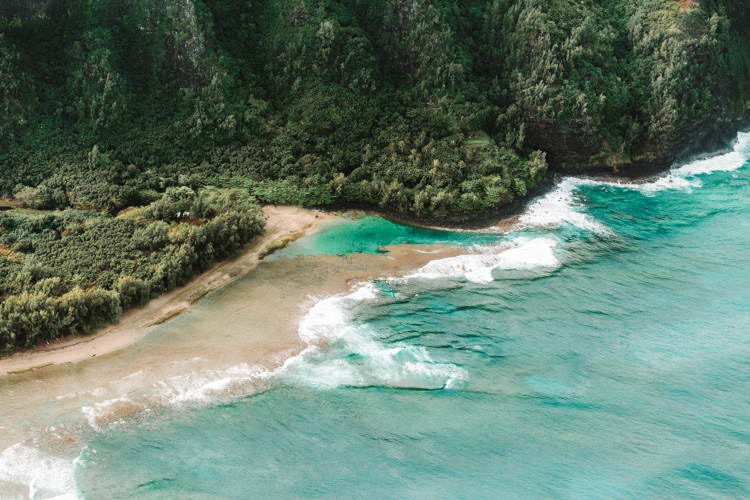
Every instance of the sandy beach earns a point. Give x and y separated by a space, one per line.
281 221
247 323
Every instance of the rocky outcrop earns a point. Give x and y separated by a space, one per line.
570 150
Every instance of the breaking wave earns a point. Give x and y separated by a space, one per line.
522 254
344 352
559 207
28 472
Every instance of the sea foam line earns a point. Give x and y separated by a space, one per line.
28 472
105 413
208 386
522 253
328 322
342 352
687 176
558 207
720 163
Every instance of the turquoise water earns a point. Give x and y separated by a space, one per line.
365 233
601 350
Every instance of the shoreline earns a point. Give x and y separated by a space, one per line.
281 221
471 221
284 224
497 216
214 353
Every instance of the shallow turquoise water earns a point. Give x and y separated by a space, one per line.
365 233
608 358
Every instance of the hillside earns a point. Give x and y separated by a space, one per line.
418 106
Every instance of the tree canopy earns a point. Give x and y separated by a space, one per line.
424 106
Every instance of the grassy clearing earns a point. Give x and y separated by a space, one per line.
35 213
479 140
7 205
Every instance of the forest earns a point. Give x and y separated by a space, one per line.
69 272
141 135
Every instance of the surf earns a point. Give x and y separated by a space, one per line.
527 336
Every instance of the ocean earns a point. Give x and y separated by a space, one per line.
599 347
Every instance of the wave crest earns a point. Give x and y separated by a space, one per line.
344 353
525 254
558 208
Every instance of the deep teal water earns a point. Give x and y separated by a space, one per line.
608 358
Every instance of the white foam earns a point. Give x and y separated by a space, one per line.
685 177
207 386
721 163
203 386
99 391
359 360
470 266
24 468
354 356
100 415
327 318
557 208
530 254
742 143
667 182
477 267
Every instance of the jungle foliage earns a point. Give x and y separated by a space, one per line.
310 101
67 272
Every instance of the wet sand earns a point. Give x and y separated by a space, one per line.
281 221
215 350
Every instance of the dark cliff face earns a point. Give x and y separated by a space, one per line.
708 137
571 150
568 148
683 94
28 9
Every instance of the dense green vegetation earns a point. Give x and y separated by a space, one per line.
67 272
310 101
423 106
